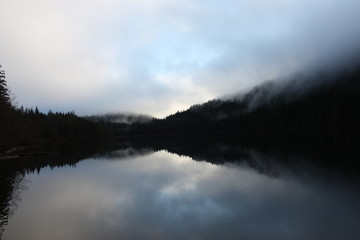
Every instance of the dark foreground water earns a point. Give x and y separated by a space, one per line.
164 196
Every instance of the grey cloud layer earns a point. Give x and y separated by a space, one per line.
159 56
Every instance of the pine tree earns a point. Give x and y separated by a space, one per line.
4 91
5 112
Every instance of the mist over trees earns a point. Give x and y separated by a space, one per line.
122 118
323 111
316 108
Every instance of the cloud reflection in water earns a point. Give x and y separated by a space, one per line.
164 196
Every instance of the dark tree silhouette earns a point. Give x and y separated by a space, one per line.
6 109
28 126
4 91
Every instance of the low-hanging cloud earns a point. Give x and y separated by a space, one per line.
157 57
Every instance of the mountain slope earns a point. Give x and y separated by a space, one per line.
318 105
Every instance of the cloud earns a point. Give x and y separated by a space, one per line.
163 196
157 56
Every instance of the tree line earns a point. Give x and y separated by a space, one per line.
21 126
326 115
326 112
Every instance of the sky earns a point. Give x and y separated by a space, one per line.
160 56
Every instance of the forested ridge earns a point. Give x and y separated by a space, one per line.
332 107
21 126
320 109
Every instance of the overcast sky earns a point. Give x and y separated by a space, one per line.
160 56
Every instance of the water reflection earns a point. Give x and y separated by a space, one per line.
11 187
164 196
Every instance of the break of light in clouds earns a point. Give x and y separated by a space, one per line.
159 56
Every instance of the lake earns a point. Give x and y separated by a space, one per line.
146 194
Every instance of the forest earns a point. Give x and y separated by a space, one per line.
324 112
331 108
28 127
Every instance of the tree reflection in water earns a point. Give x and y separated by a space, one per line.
11 187
281 170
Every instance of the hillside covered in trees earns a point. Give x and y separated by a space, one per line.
318 109
29 127
332 104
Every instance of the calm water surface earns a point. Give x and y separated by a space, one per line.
163 196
